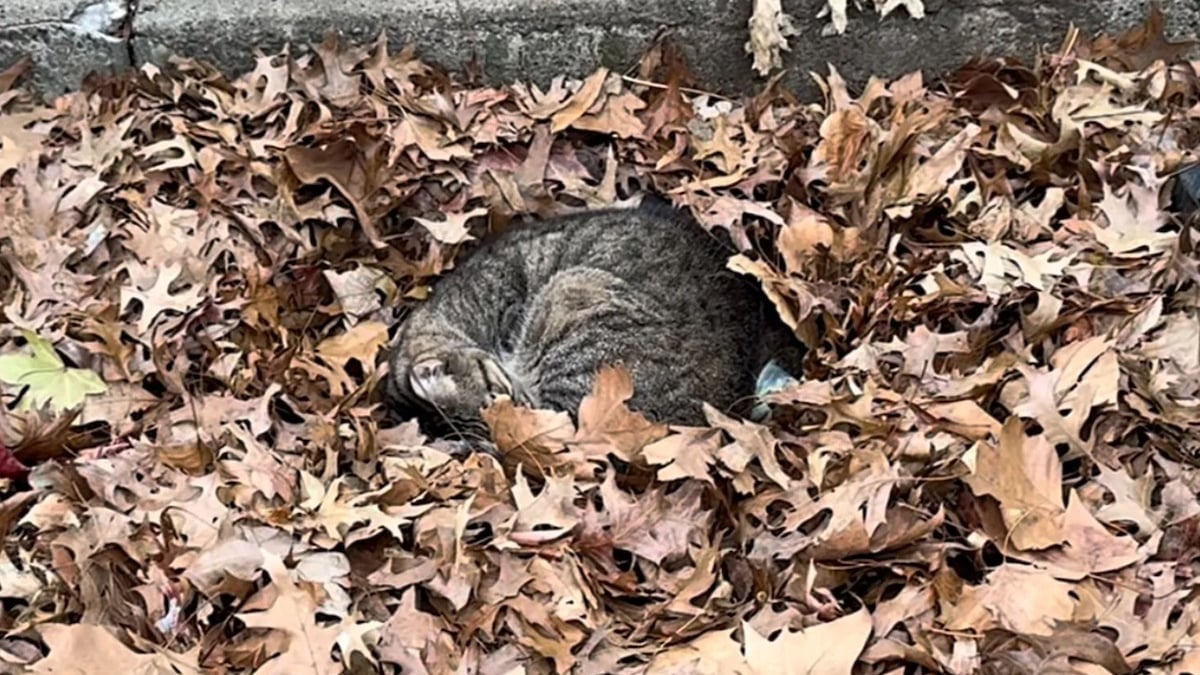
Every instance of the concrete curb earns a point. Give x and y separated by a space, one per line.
535 40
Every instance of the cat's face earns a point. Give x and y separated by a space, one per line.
455 383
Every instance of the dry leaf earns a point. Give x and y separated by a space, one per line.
225 254
825 649
580 102
606 424
1024 475
770 27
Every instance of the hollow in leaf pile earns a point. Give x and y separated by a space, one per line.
989 462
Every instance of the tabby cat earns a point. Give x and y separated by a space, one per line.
535 311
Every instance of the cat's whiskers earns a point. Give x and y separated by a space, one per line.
406 398
466 429
450 422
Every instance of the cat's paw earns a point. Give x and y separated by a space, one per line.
431 380
458 382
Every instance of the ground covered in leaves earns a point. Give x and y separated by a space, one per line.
989 463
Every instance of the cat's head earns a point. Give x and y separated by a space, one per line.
451 384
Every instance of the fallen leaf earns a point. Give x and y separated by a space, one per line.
1024 475
358 290
580 102
362 342
826 649
1017 598
72 645
452 230
309 645
770 28
534 439
49 380
607 424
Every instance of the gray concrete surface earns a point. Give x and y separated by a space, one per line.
67 40
534 40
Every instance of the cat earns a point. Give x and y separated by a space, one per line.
534 312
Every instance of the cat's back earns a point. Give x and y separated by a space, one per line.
636 244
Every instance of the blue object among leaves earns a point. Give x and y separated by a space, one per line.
771 379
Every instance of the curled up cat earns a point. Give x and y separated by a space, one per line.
534 312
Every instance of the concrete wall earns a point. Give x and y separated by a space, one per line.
538 39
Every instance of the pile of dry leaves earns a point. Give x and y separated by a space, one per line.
991 461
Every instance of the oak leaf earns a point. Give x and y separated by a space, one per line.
824 649
607 424
77 648
770 28
1025 476
580 102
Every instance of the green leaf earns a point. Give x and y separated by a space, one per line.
48 378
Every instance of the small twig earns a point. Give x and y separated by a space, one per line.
660 85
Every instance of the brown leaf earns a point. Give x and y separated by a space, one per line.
172 153
357 289
712 653
750 441
580 102
429 136
668 113
454 229
293 610
687 454
824 649
932 176
1142 45
73 647
353 170
606 424
10 75
1089 548
546 516
845 136
770 28
362 343
18 144
655 527
1018 598
411 636
156 298
534 439
340 87
1024 475
263 87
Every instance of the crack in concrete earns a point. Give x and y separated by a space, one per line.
127 30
